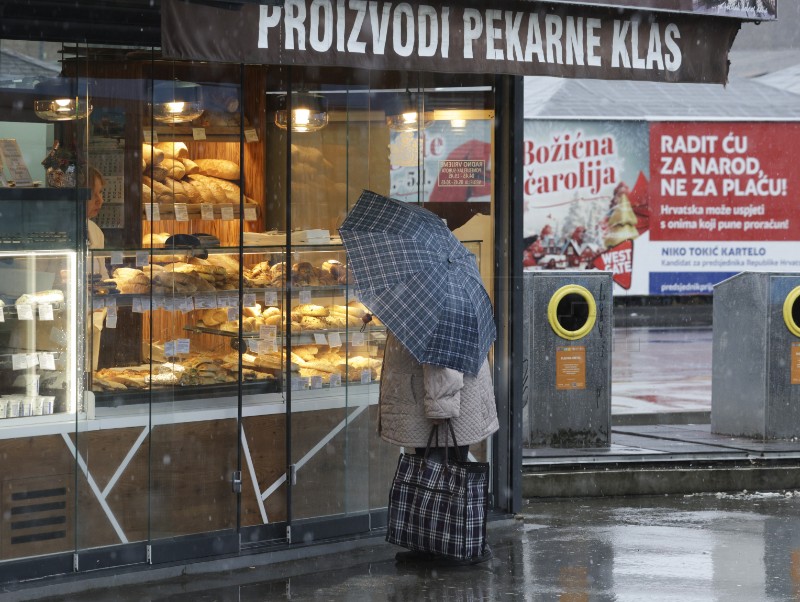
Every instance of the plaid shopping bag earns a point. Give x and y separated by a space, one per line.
439 507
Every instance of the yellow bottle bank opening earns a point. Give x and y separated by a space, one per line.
572 312
791 311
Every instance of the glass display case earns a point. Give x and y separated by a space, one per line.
38 327
201 332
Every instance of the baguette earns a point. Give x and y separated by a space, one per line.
210 194
175 169
189 166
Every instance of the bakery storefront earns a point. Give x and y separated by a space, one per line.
187 375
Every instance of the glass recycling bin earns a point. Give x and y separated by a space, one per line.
568 319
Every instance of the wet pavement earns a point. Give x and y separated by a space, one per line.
711 547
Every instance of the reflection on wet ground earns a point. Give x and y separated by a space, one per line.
697 548
661 370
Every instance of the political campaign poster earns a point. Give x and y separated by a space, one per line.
669 208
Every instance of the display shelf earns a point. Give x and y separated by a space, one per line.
306 337
194 210
126 300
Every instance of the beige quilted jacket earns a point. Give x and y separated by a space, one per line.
413 394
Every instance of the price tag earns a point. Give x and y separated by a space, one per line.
305 296
186 305
250 214
232 300
116 257
169 349
181 212
366 377
111 311
19 361
33 359
272 331
2 315
111 321
227 212
25 311
143 303
47 361
150 136
335 380
182 346
316 382
142 259
271 298
263 332
252 345
320 338
136 305
274 343
206 211
296 383
205 301
111 302
152 211
158 302
250 135
233 314
98 303
199 133
169 303
45 312
263 347
249 299
358 339
334 340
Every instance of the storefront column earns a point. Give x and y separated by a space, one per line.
508 375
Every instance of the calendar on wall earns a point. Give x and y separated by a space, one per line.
108 156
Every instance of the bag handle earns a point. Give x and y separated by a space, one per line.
448 431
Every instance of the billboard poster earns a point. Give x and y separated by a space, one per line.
586 197
672 208
723 201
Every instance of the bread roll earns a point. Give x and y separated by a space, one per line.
156 172
219 168
214 317
147 193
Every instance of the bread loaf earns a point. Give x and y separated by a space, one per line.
152 155
309 309
209 194
175 169
173 150
219 168
189 166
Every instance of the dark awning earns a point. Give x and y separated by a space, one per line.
505 36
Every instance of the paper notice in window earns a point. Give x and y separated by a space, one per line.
570 368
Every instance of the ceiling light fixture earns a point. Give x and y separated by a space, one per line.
406 114
63 99
177 101
309 112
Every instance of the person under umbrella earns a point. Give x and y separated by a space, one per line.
424 285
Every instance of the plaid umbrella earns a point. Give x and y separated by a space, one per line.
420 281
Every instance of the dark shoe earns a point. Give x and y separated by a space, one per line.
446 561
414 556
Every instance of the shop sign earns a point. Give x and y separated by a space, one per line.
512 37
760 10
669 208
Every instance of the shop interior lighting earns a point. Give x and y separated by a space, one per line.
407 114
309 112
177 101
62 100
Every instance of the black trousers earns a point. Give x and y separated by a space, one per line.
437 453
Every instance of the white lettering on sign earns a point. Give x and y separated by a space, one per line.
361 27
